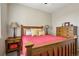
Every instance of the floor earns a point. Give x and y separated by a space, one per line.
15 54
12 54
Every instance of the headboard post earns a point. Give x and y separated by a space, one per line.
29 46
21 30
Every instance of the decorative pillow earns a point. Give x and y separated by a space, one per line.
34 32
42 32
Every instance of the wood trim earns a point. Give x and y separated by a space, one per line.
32 26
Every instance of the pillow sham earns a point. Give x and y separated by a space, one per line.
42 32
34 32
37 32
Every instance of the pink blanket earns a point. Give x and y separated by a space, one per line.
38 40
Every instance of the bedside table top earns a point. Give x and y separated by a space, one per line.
13 40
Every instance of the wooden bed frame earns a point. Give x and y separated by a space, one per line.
66 47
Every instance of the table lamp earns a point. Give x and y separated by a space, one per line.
14 25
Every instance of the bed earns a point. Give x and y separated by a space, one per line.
46 45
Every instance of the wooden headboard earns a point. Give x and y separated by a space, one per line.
28 27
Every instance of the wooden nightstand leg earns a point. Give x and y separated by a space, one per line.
6 46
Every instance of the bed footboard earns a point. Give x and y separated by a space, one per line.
63 48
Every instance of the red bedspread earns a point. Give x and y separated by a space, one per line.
38 40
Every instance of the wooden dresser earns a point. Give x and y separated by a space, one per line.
66 31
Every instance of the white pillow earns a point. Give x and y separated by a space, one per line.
28 32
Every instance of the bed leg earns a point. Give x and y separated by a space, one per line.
29 46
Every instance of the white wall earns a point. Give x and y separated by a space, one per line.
0 20
69 13
27 16
3 28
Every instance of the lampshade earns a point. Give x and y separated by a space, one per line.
46 27
14 25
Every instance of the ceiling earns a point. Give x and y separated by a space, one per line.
49 7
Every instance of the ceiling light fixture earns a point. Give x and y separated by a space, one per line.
45 3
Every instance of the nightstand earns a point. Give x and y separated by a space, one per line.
12 44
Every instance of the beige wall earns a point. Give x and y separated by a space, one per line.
3 28
69 13
27 16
